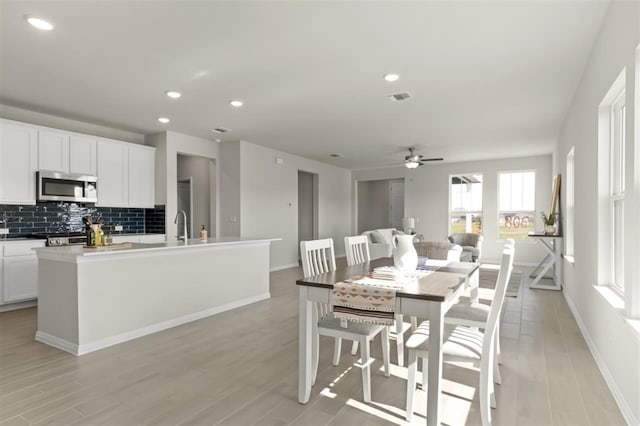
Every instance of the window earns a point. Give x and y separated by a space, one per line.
516 204
611 186
570 204
465 208
616 195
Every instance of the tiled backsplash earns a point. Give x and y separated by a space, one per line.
154 220
46 217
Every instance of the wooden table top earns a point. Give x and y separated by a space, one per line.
438 286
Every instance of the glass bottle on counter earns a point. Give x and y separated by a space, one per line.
203 234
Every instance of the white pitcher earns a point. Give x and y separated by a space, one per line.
405 257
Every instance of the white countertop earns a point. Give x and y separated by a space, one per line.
73 252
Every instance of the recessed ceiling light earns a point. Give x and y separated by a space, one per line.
39 23
218 140
173 94
391 77
163 120
236 103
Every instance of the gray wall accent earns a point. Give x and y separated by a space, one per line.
373 205
229 176
305 206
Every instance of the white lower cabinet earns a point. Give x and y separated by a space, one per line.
19 271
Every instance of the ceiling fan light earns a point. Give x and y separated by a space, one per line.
411 164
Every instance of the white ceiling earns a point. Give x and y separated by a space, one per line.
488 79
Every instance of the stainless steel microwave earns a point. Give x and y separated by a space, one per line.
54 186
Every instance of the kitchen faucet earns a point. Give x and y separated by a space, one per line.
184 227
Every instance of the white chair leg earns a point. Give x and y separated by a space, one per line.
366 370
496 359
315 348
385 350
484 385
425 372
498 351
337 347
354 347
412 370
399 340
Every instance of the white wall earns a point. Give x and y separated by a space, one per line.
427 198
42 119
269 200
612 340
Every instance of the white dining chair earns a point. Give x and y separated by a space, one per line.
318 257
462 343
357 251
472 314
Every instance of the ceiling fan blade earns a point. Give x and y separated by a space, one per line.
431 159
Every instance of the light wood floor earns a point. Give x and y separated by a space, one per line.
240 368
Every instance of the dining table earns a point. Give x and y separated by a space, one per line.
429 296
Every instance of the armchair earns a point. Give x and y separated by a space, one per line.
438 250
471 245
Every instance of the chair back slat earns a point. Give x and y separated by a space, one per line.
357 249
317 257
506 266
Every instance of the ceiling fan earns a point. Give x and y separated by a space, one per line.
412 160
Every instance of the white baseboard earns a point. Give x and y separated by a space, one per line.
18 305
608 378
281 267
56 342
134 334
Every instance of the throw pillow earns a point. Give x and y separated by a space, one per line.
378 237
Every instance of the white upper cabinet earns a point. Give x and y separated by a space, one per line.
53 151
141 176
83 155
18 163
113 174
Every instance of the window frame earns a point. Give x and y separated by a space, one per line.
569 228
499 211
458 212
617 158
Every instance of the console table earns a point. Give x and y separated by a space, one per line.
552 245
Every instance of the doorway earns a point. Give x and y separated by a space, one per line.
185 201
196 190
307 206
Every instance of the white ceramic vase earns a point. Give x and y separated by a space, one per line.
405 257
549 229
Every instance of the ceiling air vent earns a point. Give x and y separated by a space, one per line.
220 130
399 96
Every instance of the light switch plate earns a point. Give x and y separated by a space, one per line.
4 231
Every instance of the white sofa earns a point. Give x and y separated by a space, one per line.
380 244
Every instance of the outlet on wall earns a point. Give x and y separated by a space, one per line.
118 228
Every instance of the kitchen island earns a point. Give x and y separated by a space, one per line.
92 298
